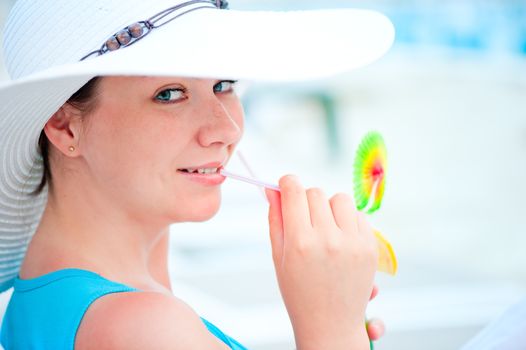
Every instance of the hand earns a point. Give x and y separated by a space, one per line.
325 257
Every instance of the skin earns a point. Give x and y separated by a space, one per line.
119 191
325 258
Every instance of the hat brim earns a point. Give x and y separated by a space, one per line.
260 46
263 46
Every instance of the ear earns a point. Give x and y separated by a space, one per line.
63 129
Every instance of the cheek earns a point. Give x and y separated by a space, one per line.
121 148
237 113
108 143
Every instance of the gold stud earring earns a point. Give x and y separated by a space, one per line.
71 148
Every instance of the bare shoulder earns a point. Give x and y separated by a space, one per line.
143 320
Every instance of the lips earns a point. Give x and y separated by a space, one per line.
206 174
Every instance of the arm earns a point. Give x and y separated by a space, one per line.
143 320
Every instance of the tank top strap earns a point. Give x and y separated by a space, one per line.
45 312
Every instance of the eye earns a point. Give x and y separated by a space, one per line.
224 86
170 95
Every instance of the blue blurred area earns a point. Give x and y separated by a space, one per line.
473 25
487 26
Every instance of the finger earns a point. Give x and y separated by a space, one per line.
320 209
367 234
344 212
275 223
375 328
364 227
374 293
294 208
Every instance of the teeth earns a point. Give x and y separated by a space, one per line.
207 171
202 171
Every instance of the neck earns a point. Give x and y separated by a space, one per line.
92 235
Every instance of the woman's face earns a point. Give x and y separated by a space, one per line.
147 134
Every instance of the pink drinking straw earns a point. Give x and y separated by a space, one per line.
248 180
251 180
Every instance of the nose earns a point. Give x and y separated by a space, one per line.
221 126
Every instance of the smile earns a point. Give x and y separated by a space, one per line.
208 176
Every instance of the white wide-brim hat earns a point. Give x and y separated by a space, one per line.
45 40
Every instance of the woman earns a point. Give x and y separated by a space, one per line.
107 139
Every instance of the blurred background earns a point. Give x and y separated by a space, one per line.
449 101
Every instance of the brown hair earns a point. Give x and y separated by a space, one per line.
84 100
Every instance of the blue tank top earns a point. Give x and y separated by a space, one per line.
45 312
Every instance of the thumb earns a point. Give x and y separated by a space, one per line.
275 221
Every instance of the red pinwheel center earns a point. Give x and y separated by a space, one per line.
377 171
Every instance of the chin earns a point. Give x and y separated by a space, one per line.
202 216
202 211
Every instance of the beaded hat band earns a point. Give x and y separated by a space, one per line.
138 30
